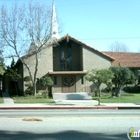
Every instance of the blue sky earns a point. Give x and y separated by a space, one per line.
98 23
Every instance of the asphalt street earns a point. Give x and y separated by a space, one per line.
68 124
69 113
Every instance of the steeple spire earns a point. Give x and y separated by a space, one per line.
54 26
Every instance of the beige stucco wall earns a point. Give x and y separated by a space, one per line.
44 65
79 86
58 87
92 60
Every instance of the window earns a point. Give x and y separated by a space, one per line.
69 57
82 80
66 57
62 58
55 80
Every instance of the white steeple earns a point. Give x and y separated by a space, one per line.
54 26
53 30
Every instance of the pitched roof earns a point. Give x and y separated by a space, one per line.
32 50
125 59
68 37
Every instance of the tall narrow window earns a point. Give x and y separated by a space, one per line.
62 58
69 57
82 80
66 57
55 80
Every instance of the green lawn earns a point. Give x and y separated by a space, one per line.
1 98
134 98
31 99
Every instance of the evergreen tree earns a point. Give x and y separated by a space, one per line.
2 69
12 74
122 75
98 77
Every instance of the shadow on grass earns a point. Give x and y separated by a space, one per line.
64 135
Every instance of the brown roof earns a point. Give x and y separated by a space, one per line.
68 37
125 59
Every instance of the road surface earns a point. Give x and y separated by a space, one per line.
68 124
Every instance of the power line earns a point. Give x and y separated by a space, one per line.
100 38
108 38
87 3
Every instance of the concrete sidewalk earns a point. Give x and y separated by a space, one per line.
66 104
71 104
7 99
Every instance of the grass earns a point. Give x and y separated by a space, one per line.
31 99
130 98
1 98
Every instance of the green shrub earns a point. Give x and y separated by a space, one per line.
46 81
29 91
45 94
27 78
132 79
29 85
127 94
96 91
131 89
92 94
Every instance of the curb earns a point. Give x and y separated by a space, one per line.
72 107
128 107
60 107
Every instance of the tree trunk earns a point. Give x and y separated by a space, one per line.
99 99
34 88
112 93
117 91
35 73
47 92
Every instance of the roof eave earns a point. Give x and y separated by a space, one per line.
79 42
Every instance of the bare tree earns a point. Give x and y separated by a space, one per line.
118 47
22 26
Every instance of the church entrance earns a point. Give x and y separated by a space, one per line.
68 83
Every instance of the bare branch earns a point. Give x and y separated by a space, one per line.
24 29
118 47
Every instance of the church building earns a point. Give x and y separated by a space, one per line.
66 62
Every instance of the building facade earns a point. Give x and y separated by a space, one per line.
67 63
